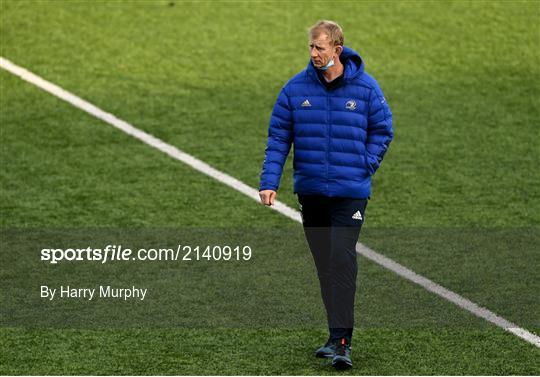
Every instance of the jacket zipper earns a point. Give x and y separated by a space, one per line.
327 132
327 140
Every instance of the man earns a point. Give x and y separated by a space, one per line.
341 126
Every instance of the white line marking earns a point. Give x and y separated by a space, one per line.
524 334
254 194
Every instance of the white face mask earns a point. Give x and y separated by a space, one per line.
328 65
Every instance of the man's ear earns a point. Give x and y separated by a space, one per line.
339 50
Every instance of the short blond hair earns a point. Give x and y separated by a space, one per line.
330 28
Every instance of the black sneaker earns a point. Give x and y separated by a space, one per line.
326 351
342 356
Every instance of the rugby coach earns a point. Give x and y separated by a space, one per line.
341 126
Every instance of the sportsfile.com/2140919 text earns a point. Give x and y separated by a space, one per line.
118 253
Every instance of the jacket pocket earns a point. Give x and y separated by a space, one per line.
366 163
369 168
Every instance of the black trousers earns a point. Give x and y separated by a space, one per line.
332 227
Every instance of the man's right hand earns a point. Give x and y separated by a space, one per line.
267 197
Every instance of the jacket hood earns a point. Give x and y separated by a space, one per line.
353 64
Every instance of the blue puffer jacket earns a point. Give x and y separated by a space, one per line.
340 135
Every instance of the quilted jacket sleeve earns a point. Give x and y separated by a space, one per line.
280 136
379 132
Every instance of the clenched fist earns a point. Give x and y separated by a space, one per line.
267 197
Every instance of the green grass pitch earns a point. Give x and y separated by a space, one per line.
456 199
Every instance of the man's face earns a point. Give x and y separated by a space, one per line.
321 50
